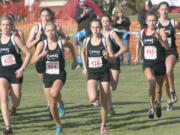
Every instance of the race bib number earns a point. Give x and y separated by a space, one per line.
150 52
8 60
52 67
95 62
169 41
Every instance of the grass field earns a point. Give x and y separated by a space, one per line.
130 101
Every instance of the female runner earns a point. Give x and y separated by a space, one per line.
19 34
37 34
153 45
50 51
11 67
171 55
99 52
118 49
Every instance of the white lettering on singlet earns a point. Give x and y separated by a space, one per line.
168 32
4 50
52 56
169 41
148 41
96 52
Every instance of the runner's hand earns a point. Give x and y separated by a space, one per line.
74 65
19 73
84 71
39 35
136 61
105 54
44 53
67 49
158 36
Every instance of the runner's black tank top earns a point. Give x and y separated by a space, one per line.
170 33
10 57
54 62
95 60
152 50
43 36
115 46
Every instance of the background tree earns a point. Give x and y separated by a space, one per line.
130 6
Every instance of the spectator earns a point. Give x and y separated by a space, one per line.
7 1
83 16
142 13
122 23
113 18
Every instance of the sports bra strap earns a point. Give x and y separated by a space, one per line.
14 43
142 31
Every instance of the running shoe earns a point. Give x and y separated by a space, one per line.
7 131
173 96
58 130
103 129
61 110
49 112
169 106
12 111
151 113
111 112
158 110
96 103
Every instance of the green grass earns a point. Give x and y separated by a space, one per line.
131 103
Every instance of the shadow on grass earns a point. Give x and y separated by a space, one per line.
33 114
174 108
129 103
126 121
160 122
35 118
31 107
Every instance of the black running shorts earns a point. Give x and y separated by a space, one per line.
172 51
99 76
40 66
115 66
50 79
11 77
158 68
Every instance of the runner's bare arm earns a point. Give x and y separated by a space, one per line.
120 44
110 56
21 34
38 53
163 38
83 57
136 60
25 50
31 41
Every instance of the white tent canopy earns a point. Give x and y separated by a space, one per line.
29 3
175 3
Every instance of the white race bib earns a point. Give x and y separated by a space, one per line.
169 41
95 62
150 52
52 67
8 60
